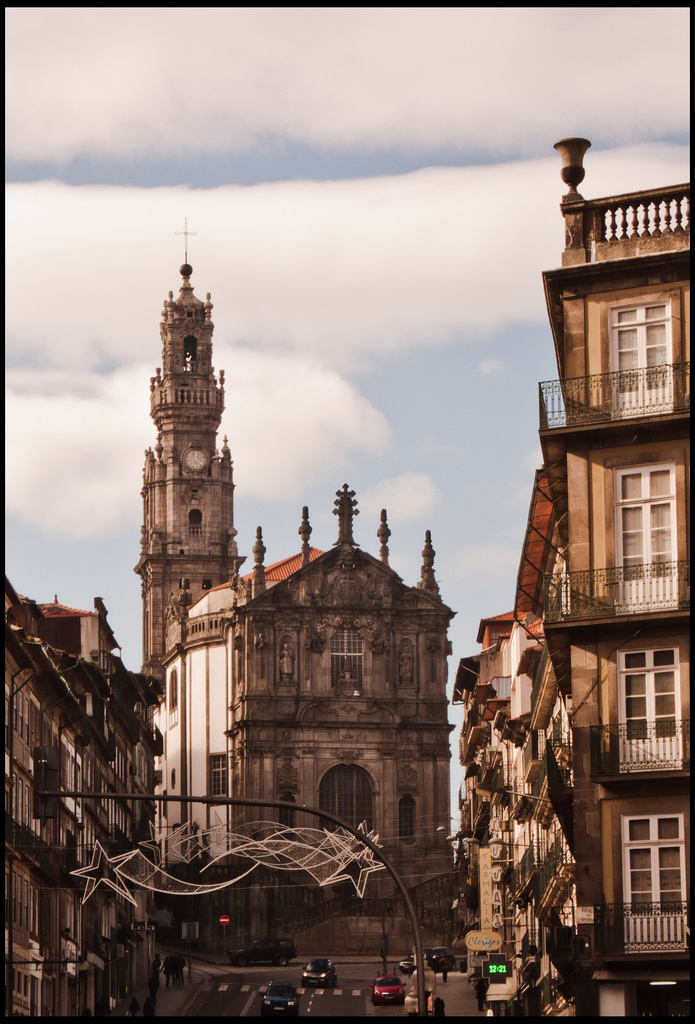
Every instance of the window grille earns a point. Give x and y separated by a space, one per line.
406 817
346 658
346 791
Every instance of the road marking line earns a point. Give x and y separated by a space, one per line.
249 1003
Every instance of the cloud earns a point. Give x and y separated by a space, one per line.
123 81
492 559
490 366
75 455
345 271
405 497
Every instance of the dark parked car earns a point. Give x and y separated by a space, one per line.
438 958
280 997
320 972
264 951
387 988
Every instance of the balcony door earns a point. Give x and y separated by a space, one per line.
645 541
650 731
641 340
654 912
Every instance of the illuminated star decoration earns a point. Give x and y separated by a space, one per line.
153 843
101 872
184 843
327 856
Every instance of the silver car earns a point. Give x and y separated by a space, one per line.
319 973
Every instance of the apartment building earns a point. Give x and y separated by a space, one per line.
615 437
79 701
590 779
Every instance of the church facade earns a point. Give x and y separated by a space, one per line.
319 680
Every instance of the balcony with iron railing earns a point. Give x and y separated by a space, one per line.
641 927
640 746
526 873
622 590
556 872
613 397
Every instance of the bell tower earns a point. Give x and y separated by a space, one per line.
188 537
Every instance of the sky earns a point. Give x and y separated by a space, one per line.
374 195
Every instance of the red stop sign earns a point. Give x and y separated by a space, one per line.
224 919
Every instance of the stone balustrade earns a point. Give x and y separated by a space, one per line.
633 224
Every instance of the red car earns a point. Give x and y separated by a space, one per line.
387 988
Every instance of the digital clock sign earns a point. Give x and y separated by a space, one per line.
497 968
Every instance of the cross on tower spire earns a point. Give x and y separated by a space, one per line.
185 233
346 509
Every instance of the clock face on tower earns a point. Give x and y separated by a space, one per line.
195 460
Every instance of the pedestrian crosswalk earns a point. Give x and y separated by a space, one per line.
315 991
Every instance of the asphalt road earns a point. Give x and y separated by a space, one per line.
238 992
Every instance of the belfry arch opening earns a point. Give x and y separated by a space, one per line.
190 351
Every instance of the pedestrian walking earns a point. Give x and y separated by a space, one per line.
134 1008
179 964
148 1009
167 969
480 993
153 985
439 1008
156 964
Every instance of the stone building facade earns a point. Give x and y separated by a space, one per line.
319 680
588 779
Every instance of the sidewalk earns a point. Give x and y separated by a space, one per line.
459 996
172 1001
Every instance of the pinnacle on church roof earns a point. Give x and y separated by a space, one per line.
383 533
304 532
258 568
427 579
346 509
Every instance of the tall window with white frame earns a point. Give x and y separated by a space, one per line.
217 775
645 516
654 913
651 732
641 352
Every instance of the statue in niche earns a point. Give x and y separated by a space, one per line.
405 666
287 662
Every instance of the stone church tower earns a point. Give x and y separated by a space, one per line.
187 543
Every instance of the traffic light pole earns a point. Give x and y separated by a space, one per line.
236 801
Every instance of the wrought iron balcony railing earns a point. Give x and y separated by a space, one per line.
558 863
624 394
623 590
640 927
640 747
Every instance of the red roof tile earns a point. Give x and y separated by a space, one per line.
275 572
56 610
281 570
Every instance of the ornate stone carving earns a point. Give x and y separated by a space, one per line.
287 776
347 756
407 776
